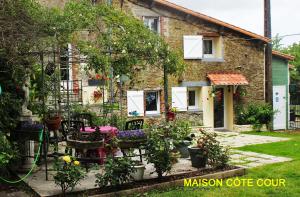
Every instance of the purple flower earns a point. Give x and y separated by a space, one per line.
131 134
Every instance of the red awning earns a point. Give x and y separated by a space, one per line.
227 79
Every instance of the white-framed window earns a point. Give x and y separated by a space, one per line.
186 99
152 22
208 48
152 103
193 99
193 47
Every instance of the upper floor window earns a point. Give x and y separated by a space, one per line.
152 23
205 48
208 48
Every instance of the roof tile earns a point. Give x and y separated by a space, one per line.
222 78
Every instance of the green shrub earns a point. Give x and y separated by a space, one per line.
157 150
210 147
118 171
68 173
8 152
255 114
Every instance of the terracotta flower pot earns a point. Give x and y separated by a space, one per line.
53 123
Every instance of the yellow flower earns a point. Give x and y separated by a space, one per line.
67 159
76 163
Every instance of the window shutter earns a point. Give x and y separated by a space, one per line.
192 47
135 103
179 98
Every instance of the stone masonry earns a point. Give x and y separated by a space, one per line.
240 53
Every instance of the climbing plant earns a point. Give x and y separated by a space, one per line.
117 39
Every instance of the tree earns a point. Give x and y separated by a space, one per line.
121 41
20 32
276 43
295 51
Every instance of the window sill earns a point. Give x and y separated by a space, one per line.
213 60
195 112
153 115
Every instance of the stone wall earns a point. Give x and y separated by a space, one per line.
241 54
195 118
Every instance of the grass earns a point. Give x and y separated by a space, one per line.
290 171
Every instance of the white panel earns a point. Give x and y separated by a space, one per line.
192 47
135 102
279 105
179 98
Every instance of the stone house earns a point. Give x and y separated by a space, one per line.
220 58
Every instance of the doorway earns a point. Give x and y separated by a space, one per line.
279 105
219 108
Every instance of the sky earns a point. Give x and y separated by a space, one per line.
248 14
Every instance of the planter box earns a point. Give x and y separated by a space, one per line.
96 82
175 183
127 144
245 128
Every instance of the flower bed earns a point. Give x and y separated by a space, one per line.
165 182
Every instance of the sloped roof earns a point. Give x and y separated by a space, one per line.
223 78
210 19
283 55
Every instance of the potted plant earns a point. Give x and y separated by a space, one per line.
131 138
139 171
207 150
180 131
53 121
199 152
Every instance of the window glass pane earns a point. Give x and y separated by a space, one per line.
151 101
146 22
207 46
151 23
192 98
154 24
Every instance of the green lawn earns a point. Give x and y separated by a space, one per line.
288 170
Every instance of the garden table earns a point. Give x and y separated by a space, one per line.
108 131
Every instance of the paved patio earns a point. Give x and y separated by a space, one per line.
249 159
238 158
